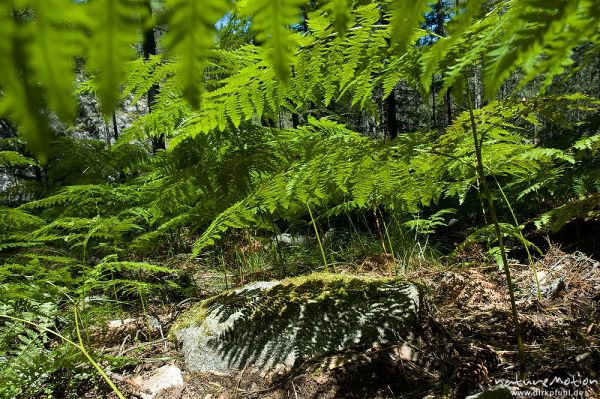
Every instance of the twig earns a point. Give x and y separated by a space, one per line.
120 353
188 300
158 341
237 388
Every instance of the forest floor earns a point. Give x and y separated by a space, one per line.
467 342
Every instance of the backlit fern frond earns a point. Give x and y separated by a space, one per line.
115 27
190 35
53 65
22 98
89 199
237 216
406 18
587 208
271 19
534 35
14 158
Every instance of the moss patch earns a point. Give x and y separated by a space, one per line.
191 317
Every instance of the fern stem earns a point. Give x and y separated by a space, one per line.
278 246
74 344
318 238
492 209
529 257
91 360
379 234
147 319
224 271
387 235
356 233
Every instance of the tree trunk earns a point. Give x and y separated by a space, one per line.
441 31
115 127
390 111
149 48
448 104
433 116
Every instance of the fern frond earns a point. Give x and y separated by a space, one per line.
53 65
115 27
406 18
191 31
271 19
21 99
237 216
341 15
14 158
587 208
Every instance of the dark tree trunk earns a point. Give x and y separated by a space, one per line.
448 104
115 127
390 110
295 116
433 115
149 48
266 122
441 31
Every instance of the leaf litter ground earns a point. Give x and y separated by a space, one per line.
467 343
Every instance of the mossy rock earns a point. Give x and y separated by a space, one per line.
273 324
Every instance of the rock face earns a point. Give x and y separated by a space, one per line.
271 325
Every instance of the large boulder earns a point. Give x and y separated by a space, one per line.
270 325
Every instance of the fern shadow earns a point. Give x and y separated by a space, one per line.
290 322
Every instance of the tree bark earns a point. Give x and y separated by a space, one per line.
448 104
115 127
390 111
433 115
440 30
149 48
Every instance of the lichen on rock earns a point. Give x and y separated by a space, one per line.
273 324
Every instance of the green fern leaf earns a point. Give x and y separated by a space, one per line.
237 216
21 99
191 30
53 64
13 158
271 19
342 17
406 19
115 27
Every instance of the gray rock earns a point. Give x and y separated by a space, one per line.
160 380
271 325
550 289
496 392
301 240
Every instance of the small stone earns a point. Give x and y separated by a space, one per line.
321 380
405 352
161 379
113 324
551 289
